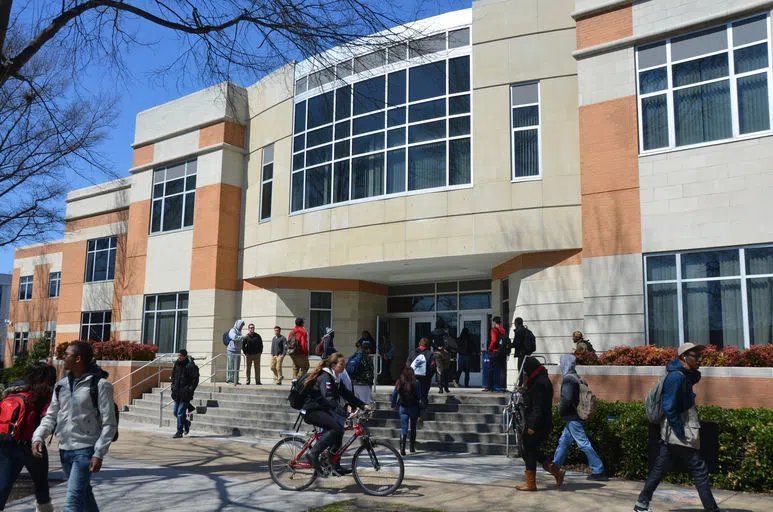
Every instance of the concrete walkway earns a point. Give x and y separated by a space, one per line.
148 471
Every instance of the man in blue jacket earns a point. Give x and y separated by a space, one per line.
680 429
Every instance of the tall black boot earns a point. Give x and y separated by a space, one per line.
413 442
402 445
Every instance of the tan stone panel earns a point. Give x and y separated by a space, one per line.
605 27
461 201
461 245
315 222
272 125
561 190
396 209
272 89
527 194
492 196
369 213
488 67
426 205
560 133
178 148
426 248
162 273
491 139
142 186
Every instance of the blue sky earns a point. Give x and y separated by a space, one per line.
145 89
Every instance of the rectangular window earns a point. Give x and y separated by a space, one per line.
54 279
722 297
25 288
706 86
174 197
100 259
525 124
387 133
51 335
20 341
505 291
165 323
95 325
320 315
267 181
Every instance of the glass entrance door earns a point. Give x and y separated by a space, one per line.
421 327
475 323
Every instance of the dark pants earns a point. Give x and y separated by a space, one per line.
695 465
464 366
408 417
495 382
15 456
444 379
532 450
333 434
425 383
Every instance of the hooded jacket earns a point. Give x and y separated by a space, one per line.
235 334
570 389
303 339
682 425
72 414
538 398
325 393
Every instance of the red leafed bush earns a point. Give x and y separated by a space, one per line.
757 356
650 355
115 351
587 357
647 355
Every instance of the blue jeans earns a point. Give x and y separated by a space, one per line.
14 457
180 408
408 416
575 431
75 465
234 360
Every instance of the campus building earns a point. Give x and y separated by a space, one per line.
587 165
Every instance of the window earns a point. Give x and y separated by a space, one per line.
505 290
446 298
100 259
20 341
706 86
166 321
320 315
25 288
51 335
525 124
95 325
392 133
267 180
722 297
53 284
174 196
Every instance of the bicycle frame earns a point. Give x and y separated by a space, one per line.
299 462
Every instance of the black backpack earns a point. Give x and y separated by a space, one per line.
503 345
94 392
529 342
297 394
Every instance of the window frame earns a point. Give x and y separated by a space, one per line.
177 310
264 182
105 323
185 192
26 283
20 343
311 309
303 94
732 77
112 247
538 176
55 278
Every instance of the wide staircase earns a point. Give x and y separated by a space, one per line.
463 421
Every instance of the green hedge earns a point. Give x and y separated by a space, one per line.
619 433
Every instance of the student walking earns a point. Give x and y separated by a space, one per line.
278 353
298 348
538 419
253 348
361 371
233 353
185 379
575 427
72 414
406 397
680 429
16 453
422 362
496 347
443 361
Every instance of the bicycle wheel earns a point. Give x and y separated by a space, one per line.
287 473
378 468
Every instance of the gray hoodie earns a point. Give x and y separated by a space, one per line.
235 346
570 388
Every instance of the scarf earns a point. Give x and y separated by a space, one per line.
536 373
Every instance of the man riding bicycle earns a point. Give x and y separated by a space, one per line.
323 389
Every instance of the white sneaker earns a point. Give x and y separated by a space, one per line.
639 508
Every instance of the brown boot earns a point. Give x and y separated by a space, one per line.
531 482
554 470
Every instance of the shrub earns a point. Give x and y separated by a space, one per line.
650 355
115 351
619 432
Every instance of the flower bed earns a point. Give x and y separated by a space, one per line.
115 351
650 355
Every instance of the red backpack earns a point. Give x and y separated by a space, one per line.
18 420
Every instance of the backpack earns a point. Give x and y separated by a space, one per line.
503 345
226 338
353 366
17 418
586 407
297 394
94 393
293 344
529 342
653 404
321 346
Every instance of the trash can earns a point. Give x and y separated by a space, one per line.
709 447
485 371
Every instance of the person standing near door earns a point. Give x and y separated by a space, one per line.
278 352
498 355
466 350
253 348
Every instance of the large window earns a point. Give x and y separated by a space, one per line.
54 278
25 288
174 196
722 297
525 117
95 325
20 342
706 86
320 315
369 135
166 321
100 259
267 182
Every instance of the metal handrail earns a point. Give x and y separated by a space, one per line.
157 362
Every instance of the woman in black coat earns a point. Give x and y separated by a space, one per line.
538 418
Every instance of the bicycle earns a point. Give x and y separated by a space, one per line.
512 423
377 467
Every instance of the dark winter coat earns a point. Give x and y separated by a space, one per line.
253 344
570 389
538 402
324 395
185 379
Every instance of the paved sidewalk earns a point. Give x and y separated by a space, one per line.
148 471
